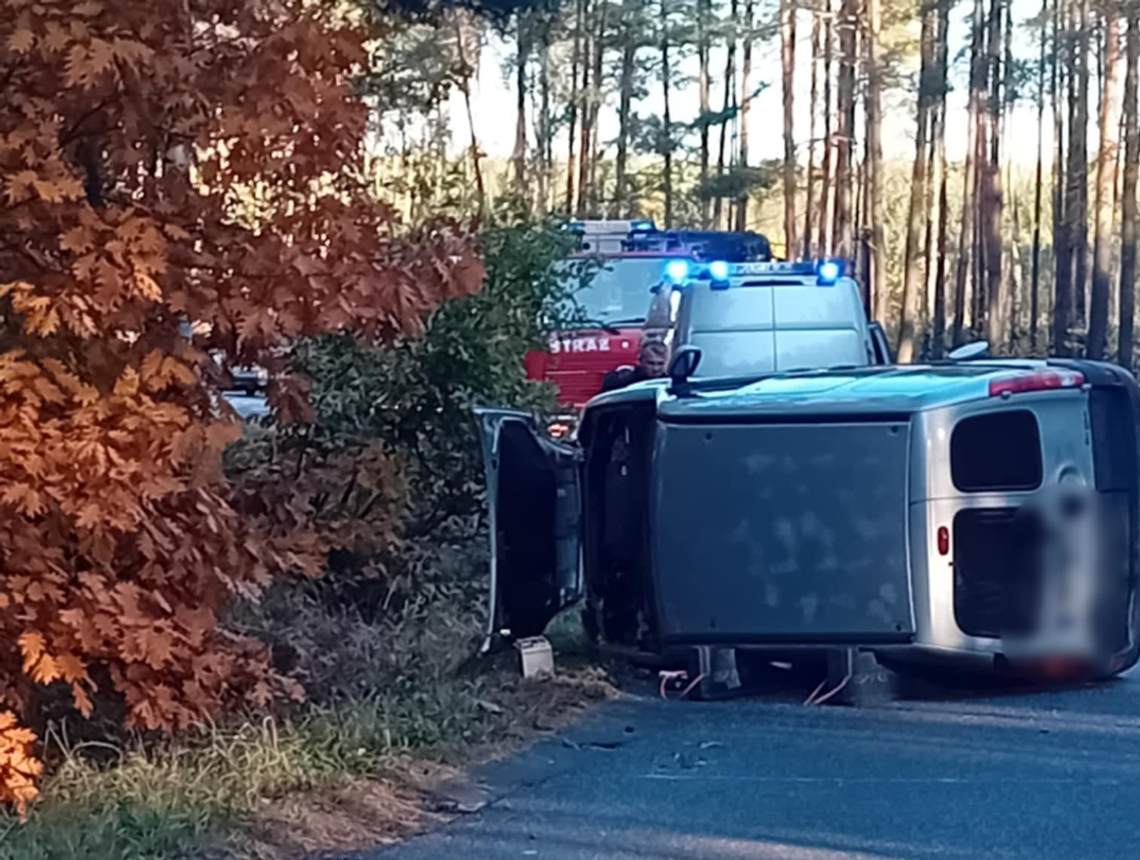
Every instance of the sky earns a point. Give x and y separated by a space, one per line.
494 99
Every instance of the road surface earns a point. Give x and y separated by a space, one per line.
1045 776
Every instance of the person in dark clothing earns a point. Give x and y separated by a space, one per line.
653 354
624 376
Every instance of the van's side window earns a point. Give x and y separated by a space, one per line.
996 452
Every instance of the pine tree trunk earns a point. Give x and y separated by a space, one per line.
1039 181
1062 74
586 98
518 156
966 237
874 116
1128 204
465 87
625 106
704 11
1012 294
788 62
938 329
809 203
824 246
575 97
1013 309
1079 166
666 120
1097 342
912 298
745 110
845 133
729 93
594 194
545 138
997 326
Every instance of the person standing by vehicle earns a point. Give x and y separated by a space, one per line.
653 355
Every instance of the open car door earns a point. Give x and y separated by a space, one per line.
535 514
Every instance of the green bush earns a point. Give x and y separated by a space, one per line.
415 398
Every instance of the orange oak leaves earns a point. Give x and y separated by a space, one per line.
133 137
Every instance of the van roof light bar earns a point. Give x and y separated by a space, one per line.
827 272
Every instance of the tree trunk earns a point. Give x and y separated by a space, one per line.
625 106
1012 294
966 236
584 126
1128 205
745 109
728 105
1039 180
991 201
1097 342
825 186
704 8
1012 311
465 88
666 121
874 117
912 298
575 95
1079 166
518 157
809 203
546 138
938 331
788 61
594 196
845 104
1062 203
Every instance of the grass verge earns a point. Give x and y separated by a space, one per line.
342 775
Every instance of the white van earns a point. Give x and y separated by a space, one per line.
750 319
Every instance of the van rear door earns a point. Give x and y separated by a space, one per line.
733 328
819 326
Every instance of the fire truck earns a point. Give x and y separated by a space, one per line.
619 262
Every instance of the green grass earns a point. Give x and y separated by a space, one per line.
188 798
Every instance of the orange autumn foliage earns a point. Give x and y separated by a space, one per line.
129 135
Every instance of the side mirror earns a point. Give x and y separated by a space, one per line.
977 349
684 364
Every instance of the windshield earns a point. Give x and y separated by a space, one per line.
619 291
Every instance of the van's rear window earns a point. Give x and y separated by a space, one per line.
996 452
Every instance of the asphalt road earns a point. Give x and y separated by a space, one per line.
1036 776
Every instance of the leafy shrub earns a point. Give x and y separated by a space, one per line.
392 543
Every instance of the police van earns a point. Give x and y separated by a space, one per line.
765 317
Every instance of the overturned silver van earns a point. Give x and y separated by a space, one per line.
981 514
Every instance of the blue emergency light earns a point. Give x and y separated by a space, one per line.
677 270
829 272
645 225
718 270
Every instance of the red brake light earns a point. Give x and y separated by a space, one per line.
1042 380
943 540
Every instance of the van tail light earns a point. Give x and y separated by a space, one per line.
1041 380
943 540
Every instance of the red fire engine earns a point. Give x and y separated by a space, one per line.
626 259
